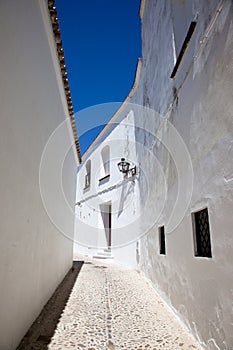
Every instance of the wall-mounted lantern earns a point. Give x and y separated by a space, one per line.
123 167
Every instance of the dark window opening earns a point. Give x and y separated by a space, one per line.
184 47
87 180
162 243
202 242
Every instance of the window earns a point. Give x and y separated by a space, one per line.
202 243
105 166
88 175
162 243
184 47
184 24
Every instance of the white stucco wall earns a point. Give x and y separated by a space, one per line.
192 114
199 289
34 255
120 193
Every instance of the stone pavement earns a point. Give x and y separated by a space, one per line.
106 307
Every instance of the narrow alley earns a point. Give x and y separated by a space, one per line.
101 306
116 147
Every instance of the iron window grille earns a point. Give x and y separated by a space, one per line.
202 240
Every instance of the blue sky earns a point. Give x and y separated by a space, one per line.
102 41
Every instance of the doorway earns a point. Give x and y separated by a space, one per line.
106 216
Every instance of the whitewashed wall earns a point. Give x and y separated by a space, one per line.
198 104
34 255
90 235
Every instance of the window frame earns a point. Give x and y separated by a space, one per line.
162 240
87 177
105 164
198 252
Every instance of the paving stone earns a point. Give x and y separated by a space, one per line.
107 307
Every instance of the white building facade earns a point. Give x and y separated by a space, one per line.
107 200
173 219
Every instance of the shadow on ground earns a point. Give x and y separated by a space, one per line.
42 330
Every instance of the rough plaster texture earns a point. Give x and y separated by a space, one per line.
34 255
200 289
198 103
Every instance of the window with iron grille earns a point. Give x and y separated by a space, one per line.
162 243
202 240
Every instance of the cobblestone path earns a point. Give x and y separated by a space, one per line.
108 308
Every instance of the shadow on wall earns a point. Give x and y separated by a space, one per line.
43 328
124 194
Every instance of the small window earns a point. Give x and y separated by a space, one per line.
202 242
87 183
184 48
105 165
105 154
162 243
